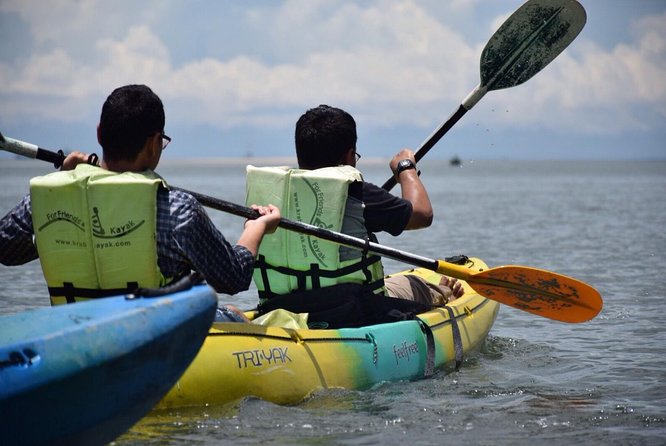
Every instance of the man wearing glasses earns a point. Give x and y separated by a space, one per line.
105 230
327 190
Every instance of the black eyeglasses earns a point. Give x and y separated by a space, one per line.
358 156
165 141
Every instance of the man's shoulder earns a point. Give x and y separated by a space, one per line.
372 192
178 194
371 187
177 199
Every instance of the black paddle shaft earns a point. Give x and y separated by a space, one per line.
315 231
431 141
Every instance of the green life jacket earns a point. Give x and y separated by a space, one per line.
95 232
289 261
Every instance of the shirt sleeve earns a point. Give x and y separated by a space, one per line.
16 235
228 269
383 210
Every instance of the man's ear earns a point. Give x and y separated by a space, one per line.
349 157
99 136
152 146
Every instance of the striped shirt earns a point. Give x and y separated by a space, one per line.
187 240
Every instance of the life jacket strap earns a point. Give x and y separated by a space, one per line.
70 292
315 273
457 338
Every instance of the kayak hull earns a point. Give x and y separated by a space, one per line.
284 366
85 373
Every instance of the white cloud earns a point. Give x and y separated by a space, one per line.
391 62
65 83
139 58
395 57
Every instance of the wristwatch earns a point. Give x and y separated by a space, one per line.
404 165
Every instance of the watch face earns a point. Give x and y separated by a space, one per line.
405 164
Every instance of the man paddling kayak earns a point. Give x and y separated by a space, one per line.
328 191
105 230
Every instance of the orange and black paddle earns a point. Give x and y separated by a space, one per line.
536 291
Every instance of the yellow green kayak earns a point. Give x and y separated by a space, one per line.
284 365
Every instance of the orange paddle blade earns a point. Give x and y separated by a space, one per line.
540 292
536 291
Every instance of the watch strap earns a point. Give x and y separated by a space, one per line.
405 164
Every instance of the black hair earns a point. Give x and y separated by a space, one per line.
129 115
323 135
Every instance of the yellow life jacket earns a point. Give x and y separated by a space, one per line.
95 232
289 261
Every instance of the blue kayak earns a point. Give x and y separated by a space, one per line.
85 373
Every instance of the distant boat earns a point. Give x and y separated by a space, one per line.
455 161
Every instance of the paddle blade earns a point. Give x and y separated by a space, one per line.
529 40
539 292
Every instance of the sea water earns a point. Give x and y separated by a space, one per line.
535 381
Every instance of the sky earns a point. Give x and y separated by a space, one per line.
235 76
